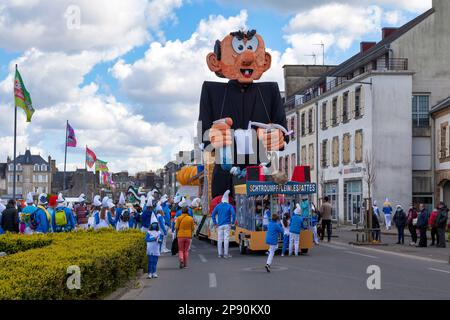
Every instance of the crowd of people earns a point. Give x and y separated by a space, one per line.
417 221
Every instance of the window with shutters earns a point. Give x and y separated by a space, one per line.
293 161
335 150
324 158
311 156
286 165
345 103
293 128
310 121
359 146
304 156
358 103
334 112
281 165
324 115
444 152
303 124
346 149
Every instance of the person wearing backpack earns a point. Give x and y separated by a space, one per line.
123 214
399 219
62 217
27 217
43 218
82 213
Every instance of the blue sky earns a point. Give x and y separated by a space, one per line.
112 76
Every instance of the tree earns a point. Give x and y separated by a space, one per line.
370 175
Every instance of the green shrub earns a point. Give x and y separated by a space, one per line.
106 259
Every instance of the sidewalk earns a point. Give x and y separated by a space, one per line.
345 235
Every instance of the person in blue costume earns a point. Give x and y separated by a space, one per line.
25 215
294 230
162 225
274 231
59 223
153 238
123 214
223 217
43 217
2 208
146 216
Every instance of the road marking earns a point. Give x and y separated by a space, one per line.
331 246
362 255
212 280
202 258
439 270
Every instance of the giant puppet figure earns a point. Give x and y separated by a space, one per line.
226 109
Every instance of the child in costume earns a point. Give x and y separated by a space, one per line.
153 238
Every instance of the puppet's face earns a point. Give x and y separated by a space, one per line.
241 57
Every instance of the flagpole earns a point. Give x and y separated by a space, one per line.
15 141
65 158
85 172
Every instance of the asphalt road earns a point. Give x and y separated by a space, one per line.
329 271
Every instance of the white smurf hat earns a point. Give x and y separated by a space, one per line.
60 198
105 202
122 199
297 210
225 197
96 202
30 198
43 198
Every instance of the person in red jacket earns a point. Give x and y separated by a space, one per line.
431 221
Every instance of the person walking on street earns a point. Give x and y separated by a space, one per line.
376 228
226 218
411 222
274 230
153 237
399 219
285 224
422 225
10 217
294 230
184 227
441 224
387 211
431 222
325 214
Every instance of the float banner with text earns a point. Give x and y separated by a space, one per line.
256 188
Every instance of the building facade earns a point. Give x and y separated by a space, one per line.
441 118
33 174
370 115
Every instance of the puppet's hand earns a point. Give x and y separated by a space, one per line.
272 140
220 133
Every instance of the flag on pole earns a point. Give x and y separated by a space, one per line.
101 166
71 139
22 98
91 158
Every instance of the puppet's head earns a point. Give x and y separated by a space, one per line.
240 56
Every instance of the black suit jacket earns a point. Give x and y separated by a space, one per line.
260 102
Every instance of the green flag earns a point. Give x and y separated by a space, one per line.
101 166
22 98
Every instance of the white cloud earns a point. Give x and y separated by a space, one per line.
111 26
168 80
288 6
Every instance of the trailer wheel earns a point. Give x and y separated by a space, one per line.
242 247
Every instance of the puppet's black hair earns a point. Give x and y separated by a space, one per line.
241 34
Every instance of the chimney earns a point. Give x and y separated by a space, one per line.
386 32
367 45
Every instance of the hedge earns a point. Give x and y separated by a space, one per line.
37 269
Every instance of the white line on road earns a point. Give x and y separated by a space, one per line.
362 255
331 246
439 270
212 280
202 258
